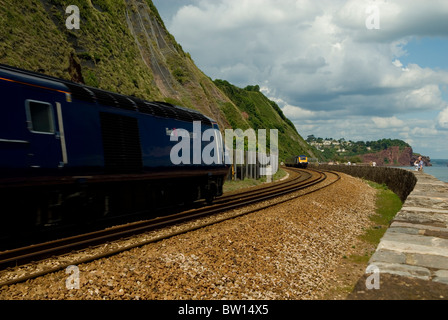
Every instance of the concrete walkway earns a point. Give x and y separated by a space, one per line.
416 243
411 261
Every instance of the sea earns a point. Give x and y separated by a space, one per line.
439 169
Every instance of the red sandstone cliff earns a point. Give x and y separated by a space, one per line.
392 156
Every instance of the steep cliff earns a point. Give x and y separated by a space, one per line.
394 156
259 112
121 46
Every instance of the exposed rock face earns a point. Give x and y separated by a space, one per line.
392 156
74 70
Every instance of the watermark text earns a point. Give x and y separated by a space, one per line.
72 282
373 18
373 281
72 22
190 149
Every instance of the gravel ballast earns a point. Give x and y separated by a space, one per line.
289 251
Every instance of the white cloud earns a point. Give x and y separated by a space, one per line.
321 61
392 122
424 132
297 113
442 119
397 63
398 19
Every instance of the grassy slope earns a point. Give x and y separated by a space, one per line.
123 46
37 40
388 204
261 113
33 36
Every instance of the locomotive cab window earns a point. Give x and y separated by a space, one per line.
40 116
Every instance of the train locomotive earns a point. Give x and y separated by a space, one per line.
300 161
72 153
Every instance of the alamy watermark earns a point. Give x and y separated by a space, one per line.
72 282
373 18
72 22
189 149
373 281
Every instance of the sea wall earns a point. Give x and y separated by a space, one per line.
400 181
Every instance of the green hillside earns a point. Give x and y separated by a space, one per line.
123 46
255 110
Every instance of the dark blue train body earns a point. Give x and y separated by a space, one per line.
68 150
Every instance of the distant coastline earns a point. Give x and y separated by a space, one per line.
439 169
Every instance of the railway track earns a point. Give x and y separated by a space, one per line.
299 180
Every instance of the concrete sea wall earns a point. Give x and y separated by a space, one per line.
400 181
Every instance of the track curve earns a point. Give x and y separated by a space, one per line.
304 180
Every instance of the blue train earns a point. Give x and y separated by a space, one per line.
70 153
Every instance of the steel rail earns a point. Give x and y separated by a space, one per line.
41 251
15 256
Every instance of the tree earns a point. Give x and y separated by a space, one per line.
310 138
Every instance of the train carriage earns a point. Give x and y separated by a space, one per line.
73 152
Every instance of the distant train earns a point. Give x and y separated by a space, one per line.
298 162
72 153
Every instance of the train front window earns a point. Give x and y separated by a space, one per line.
40 117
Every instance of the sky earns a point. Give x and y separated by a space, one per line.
357 69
